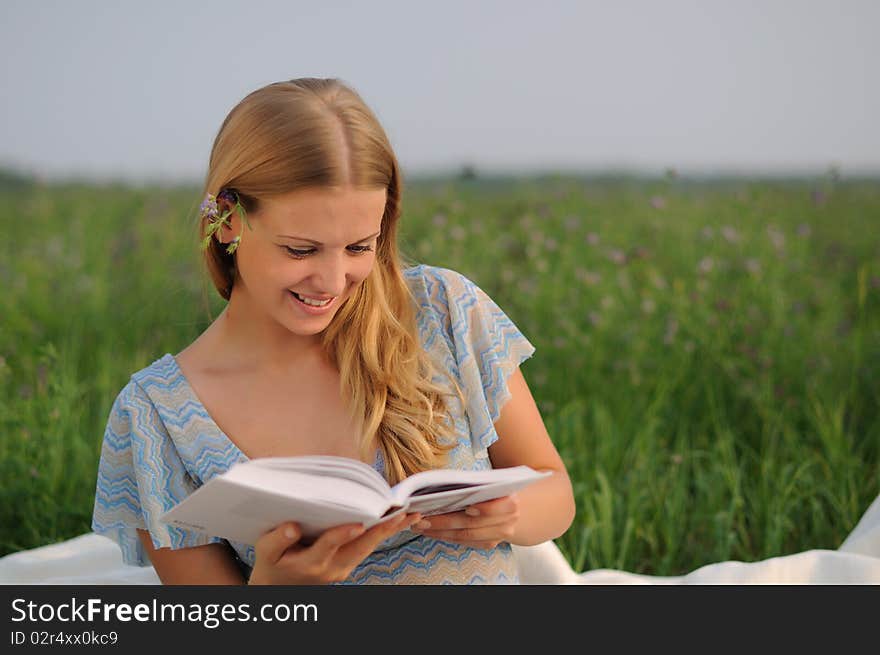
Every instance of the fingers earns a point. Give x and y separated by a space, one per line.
366 543
496 507
379 533
325 547
490 513
499 532
459 521
283 556
346 545
481 525
272 544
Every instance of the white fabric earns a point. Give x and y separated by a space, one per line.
94 559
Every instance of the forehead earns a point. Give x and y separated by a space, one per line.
317 207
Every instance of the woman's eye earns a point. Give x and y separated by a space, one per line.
299 254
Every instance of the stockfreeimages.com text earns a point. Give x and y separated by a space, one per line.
210 615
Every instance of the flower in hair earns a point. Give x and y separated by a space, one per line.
210 210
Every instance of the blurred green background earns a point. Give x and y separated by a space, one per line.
707 349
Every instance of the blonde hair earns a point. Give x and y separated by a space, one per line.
311 132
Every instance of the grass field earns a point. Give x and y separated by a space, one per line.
707 353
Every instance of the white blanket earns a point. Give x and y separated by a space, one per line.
94 559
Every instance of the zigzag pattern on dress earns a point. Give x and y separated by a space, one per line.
161 444
138 479
485 346
429 561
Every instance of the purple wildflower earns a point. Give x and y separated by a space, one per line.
229 194
208 208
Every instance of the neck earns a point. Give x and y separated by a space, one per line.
262 344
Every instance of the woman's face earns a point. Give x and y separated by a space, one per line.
307 253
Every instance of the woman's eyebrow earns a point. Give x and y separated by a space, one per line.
318 243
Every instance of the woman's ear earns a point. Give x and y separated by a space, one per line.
226 233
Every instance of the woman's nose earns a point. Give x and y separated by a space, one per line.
330 275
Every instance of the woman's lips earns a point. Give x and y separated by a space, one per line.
311 309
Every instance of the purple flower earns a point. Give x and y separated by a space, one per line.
229 194
208 208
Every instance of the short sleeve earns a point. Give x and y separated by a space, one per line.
140 476
486 345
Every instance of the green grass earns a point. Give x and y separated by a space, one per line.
707 353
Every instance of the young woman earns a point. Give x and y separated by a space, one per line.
328 345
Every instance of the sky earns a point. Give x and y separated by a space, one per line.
138 90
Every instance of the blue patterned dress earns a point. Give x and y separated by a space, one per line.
160 444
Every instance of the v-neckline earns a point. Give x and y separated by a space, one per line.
378 463
193 396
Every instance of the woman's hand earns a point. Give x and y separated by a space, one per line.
482 525
282 560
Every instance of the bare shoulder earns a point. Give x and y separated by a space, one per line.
194 356
190 364
199 359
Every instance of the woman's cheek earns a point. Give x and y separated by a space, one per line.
366 268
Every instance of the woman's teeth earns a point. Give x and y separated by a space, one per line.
309 301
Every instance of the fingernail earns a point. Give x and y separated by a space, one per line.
472 511
423 525
289 533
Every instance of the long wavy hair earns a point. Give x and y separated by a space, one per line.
312 132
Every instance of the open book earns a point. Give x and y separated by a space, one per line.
322 491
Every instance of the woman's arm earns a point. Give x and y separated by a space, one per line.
541 511
547 507
209 564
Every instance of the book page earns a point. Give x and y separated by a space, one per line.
224 508
321 492
435 480
447 490
315 486
327 465
243 503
